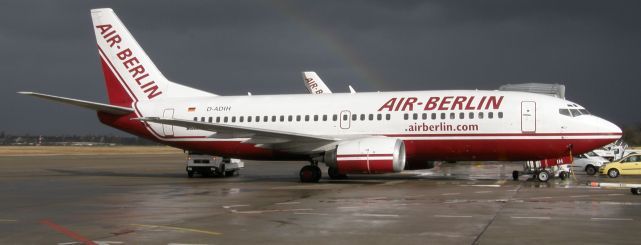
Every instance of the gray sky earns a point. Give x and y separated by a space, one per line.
232 47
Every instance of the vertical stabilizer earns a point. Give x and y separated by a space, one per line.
314 84
130 75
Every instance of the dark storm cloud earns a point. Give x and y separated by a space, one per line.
231 47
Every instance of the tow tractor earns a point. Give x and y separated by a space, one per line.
545 169
208 165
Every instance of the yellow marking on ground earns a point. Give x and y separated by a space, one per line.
213 233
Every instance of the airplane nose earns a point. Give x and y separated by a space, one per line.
609 127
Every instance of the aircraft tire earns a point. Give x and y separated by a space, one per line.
515 175
309 174
190 174
635 191
335 174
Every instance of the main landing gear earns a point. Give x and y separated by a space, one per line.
335 174
310 173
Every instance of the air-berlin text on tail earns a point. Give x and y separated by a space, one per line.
443 103
129 61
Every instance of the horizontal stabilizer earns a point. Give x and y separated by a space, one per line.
111 109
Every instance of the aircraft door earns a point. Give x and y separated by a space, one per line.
168 130
345 118
528 117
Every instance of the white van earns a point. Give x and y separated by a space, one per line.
208 165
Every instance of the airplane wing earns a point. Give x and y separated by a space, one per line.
265 138
111 109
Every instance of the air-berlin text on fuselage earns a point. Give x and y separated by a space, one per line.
131 63
443 103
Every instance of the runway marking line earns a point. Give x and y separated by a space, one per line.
612 219
375 215
322 214
479 192
523 217
235 206
495 186
580 196
453 216
287 203
213 233
450 194
8 220
67 232
269 211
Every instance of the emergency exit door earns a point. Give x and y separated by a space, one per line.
168 130
528 117
345 118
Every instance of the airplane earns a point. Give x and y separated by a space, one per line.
315 84
364 133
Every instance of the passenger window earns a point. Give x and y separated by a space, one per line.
490 115
371 117
387 117
452 115
500 114
290 118
442 115
461 115
226 119
240 119
306 118
298 118
424 116
273 118
282 118
471 114
195 118
210 119
565 112
379 117
233 119
362 117
415 116
406 116
354 117
217 119
335 117
249 118
433 116
324 118
480 115
257 119
202 119
315 118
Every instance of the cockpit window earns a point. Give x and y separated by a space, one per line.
565 112
575 112
584 111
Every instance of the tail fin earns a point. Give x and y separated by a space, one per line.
314 84
130 75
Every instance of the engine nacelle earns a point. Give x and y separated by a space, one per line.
375 155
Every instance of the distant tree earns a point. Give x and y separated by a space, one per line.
632 134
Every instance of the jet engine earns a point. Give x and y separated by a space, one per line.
373 155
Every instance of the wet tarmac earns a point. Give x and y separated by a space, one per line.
144 199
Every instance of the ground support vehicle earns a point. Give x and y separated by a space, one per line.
208 165
544 170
